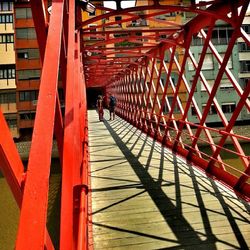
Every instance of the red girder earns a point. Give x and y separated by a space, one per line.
132 93
129 63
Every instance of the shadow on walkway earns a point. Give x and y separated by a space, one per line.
187 237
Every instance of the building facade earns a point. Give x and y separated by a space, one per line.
226 96
28 66
244 61
7 66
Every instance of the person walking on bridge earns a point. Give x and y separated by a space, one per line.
99 105
112 104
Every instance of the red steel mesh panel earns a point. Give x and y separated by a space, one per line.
167 63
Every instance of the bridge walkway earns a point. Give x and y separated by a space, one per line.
145 197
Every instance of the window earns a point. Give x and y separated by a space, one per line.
243 47
28 74
197 41
174 78
9 97
225 84
246 28
92 29
22 55
117 19
92 14
23 13
26 33
190 64
6 6
28 96
193 111
163 78
176 107
244 66
28 116
6 18
228 107
163 81
28 53
210 83
12 122
7 71
212 109
167 57
6 38
221 35
208 62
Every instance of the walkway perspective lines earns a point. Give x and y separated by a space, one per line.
145 197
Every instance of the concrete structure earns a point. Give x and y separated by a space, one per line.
7 66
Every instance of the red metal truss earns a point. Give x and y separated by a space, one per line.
143 98
125 56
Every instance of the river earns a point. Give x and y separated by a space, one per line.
9 211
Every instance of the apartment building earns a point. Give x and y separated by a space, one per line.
7 66
244 61
28 66
227 96
163 21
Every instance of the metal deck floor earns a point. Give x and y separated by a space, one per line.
144 197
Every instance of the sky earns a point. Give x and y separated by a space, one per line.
127 4
124 4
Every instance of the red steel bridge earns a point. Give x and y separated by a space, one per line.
128 62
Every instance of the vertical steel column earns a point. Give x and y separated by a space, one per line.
35 198
69 161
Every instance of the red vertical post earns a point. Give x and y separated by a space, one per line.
66 226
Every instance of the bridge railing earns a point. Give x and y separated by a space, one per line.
180 92
159 87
